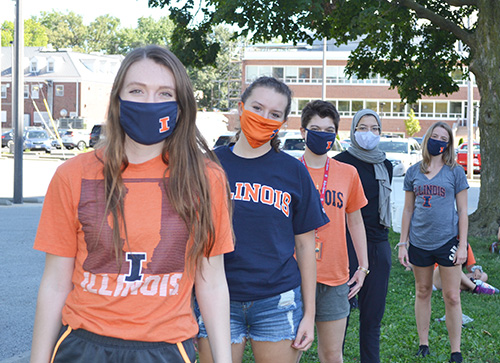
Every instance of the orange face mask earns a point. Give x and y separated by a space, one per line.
257 129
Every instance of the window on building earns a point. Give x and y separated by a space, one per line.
427 109
4 91
60 90
252 73
385 107
455 109
398 109
302 104
50 65
414 107
344 108
34 65
35 91
278 73
265 71
331 74
317 75
441 109
291 74
341 75
357 106
304 74
372 105
26 91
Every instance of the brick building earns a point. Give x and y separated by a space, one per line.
73 87
301 67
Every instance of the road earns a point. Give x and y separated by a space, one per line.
22 266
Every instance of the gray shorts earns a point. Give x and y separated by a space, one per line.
331 302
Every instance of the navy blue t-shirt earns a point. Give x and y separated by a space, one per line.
274 199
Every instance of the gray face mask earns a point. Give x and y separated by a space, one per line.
367 140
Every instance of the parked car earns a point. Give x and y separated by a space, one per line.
402 153
75 138
224 139
37 139
292 143
96 134
7 138
476 158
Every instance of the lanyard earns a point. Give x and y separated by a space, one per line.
325 178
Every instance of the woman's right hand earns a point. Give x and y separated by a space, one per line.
403 256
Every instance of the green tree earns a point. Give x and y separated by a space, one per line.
412 43
102 34
148 31
64 30
35 34
412 124
220 85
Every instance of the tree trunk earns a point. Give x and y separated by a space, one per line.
486 67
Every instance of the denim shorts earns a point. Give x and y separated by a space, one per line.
443 255
271 319
332 302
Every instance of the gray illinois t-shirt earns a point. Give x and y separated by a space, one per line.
435 219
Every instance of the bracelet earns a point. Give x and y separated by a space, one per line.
401 244
365 270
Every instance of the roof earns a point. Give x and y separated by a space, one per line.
67 65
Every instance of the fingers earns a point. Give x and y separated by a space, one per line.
303 341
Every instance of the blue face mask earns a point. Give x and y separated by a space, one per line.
148 123
436 147
319 142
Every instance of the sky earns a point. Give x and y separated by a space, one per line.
128 11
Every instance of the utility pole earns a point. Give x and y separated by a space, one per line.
18 102
323 93
470 116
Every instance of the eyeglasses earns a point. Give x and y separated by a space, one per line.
374 129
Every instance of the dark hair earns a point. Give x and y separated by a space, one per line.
321 108
279 87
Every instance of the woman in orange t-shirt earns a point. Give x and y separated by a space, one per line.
129 228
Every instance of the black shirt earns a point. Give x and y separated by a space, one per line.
375 232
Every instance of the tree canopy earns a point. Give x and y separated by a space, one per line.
412 43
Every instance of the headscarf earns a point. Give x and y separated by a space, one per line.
375 157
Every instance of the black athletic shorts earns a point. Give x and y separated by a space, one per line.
443 255
82 346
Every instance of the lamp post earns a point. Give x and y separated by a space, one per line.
18 102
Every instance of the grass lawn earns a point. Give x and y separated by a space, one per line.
399 340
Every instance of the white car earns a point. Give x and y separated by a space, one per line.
292 143
76 138
402 153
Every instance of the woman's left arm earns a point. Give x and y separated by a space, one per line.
306 259
463 227
213 299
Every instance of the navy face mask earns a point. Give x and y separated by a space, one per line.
319 142
436 147
148 123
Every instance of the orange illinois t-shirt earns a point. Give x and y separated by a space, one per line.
344 194
148 297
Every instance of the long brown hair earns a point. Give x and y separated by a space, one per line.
185 153
448 154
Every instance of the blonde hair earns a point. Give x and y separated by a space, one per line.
448 154
185 154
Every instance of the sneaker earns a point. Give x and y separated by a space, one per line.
483 290
423 351
488 286
456 357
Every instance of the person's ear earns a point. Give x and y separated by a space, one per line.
303 132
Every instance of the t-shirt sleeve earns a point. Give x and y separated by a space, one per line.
460 179
308 213
220 212
58 226
357 198
408 181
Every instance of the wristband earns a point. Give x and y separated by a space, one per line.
401 244
365 270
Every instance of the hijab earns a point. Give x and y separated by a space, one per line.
377 158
